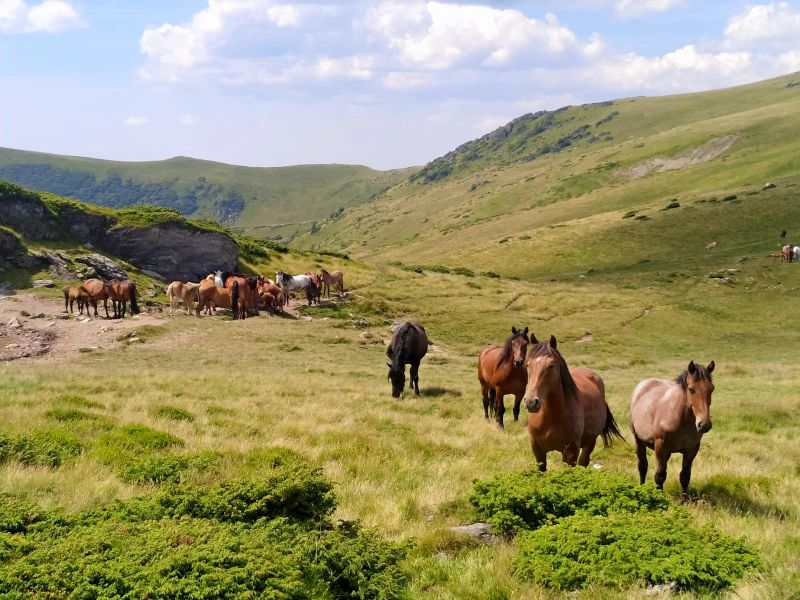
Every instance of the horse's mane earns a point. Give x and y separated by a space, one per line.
700 373
400 347
567 382
507 347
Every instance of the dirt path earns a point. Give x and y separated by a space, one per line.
51 332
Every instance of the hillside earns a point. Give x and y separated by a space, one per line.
547 195
266 202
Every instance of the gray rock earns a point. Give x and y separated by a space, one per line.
479 531
38 316
103 266
153 274
14 323
39 283
663 588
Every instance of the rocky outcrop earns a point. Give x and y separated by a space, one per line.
101 267
173 251
25 213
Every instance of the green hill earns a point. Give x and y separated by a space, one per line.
546 195
266 202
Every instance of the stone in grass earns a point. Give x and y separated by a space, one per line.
40 283
768 186
480 531
671 587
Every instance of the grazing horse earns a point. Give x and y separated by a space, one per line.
409 344
502 371
336 277
568 408
671 416
210 296
289 284
98 290
120 292
76 293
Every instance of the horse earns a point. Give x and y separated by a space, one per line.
175 292
796 254
315 289
244 295
120 292
189 295
567 407
336 277
210 295
268 288
501 371
76 293
408 346
97 290
787 253
670 416
289 284
711 246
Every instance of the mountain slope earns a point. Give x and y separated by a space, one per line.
545 195
260 201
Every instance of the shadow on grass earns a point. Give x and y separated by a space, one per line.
437 392
736 495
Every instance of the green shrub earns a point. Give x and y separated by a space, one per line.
75 400
729 198
623 549
464 271
671 205
630 214
137 438
174 413
491 274
16 514
438 269
44 448
530 499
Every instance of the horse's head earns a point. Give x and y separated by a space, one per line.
279 275
519 346
397 375
696 380
547 374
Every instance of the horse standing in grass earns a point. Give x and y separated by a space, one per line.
209 296
315 289
98 290
120 293
290 283
336 277
409 344
568 408
73 294
501 371
670 416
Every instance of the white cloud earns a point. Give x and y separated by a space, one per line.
50 16
771 25
135 121
187 120
634 8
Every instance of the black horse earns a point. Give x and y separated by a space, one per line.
409 344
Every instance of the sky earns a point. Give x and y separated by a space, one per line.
383 83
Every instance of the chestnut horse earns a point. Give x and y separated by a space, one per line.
672 416
409 344
336 277
244 295
120 293
502 371
98 290
568 408
314 291
76 293
209 296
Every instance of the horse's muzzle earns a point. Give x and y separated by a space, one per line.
518 363
532 404
703 426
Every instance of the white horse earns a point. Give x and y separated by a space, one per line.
289 283
796 254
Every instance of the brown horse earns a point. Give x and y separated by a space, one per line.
73 294
409 344
209 296
567 407
336 277
98 290
244 295
314 291
502 371
671 416
176 293
267 287
120 293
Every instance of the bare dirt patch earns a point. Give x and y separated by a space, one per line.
688 158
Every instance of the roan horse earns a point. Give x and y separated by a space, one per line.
672 416
567 407
409 344
336 277
502 371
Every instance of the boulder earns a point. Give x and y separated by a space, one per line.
768 186
25 213
153 274
479 531
39 283
104 267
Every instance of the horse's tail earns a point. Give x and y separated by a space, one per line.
134 305
235 299
610 429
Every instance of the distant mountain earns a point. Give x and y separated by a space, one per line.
263 202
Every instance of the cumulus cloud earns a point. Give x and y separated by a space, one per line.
135 121
634 8
771 25
50 16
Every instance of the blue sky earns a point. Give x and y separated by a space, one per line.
377 82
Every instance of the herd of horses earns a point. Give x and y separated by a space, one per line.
788 253
120 292
567 408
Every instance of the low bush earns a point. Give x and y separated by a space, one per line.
17 514
174 413
76 400
463 271
517 501
629 215
624 549
137 438
44 448
491 274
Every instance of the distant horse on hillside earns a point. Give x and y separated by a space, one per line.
567 407
670 416
120 293
336 277
501 371
98 290
291 283
408 346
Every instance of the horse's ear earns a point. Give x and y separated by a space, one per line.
553 342
513 330
692 367
389 365
710 367
525 332
533 338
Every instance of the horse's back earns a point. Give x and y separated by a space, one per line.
487 362
592 396
650 402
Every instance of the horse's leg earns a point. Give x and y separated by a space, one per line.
94 304
540 456
686 468
414 375
105 305
499 406
586 453
662 457
570 454
641 455
517 403
485 394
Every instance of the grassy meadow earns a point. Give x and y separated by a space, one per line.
406 468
